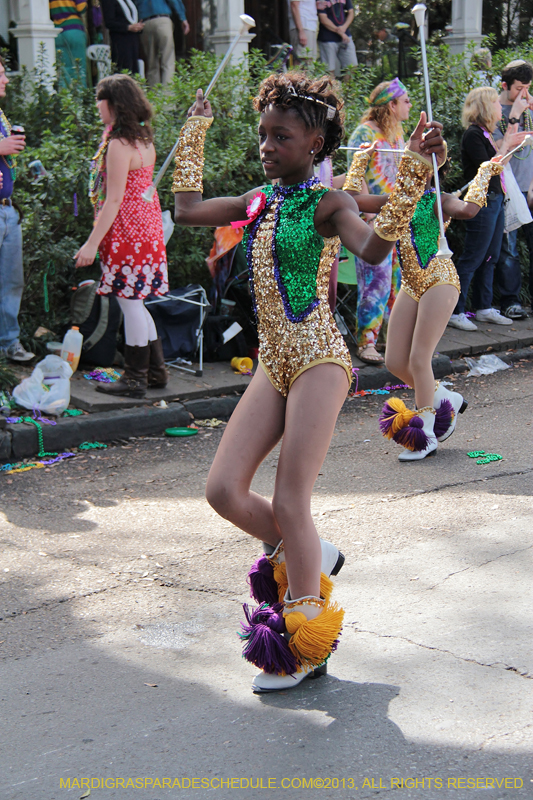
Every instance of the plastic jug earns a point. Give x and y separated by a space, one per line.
71 348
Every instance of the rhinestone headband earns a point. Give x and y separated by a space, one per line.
331 110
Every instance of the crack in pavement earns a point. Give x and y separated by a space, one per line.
420 492
163 582
478 566
495 664
55 602
503 735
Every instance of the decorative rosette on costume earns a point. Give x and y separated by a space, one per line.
281 640
406 427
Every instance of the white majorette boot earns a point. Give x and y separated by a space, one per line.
268 576
412 429
424 441
447 405
314 626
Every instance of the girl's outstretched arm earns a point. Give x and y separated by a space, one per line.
476 196
337 212
454 208
187 185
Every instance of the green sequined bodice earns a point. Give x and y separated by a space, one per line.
296 245
425 229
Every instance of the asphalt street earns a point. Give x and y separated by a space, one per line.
121 595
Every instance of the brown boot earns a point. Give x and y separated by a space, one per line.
134 381
157 372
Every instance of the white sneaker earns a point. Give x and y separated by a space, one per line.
462 322
492 315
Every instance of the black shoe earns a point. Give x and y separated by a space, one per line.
514 311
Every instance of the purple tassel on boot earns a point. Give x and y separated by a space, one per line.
386 418
412 437
263 587
265 646
444 415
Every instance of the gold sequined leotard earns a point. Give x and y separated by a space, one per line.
289 265
417 248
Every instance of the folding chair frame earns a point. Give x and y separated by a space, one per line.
203 304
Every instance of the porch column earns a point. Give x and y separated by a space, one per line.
33 27
227 26
466 24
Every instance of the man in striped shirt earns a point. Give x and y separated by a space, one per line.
72 41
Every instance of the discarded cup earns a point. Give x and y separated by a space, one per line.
242 364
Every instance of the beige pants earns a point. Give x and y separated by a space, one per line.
157 41
311 51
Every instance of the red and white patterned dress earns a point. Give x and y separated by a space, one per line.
132 253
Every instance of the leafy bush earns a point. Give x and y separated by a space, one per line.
63 131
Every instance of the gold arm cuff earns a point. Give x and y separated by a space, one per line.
396 214
190 156
477 191
356 173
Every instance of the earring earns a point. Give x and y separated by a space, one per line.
311 152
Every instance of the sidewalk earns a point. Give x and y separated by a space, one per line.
216 393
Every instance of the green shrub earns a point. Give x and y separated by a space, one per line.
63 131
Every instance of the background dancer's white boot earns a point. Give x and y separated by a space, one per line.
427 416
445 413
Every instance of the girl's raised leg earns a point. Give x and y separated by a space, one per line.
254 429
434 311
313 405
400 337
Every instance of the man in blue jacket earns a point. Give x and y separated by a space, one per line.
158 37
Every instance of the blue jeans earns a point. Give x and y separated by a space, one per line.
481 251
508 273
11 275
508 270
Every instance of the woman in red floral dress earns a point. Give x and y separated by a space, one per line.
128 231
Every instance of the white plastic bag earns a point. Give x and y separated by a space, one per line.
517 212
485 365
48 387
168 225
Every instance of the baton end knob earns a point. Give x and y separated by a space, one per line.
247 20
444 250
148 195
419 12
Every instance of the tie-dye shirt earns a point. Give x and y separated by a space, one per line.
381 172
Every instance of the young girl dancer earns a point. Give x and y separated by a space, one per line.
291 239
429 292
128 232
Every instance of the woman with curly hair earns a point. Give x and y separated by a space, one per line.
128 232
292 233
378 285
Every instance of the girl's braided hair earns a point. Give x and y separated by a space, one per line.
312 100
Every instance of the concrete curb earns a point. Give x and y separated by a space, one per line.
20 440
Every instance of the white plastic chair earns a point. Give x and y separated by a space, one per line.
101 53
